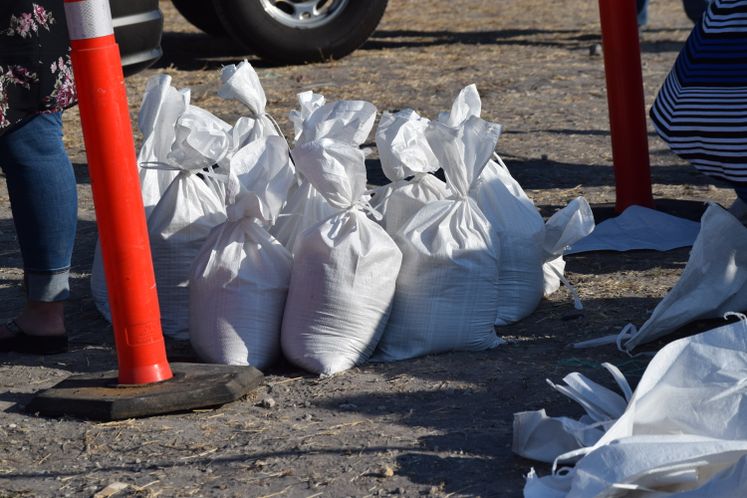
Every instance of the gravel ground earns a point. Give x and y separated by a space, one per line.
436 426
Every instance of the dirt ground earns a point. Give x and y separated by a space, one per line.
436 426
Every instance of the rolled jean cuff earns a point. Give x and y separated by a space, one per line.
47 286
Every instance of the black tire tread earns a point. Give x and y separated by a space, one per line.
252 28
201 14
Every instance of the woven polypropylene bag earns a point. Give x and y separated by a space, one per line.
344 269
447 287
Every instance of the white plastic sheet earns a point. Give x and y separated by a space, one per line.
344 271
544 438
713 282
682 431
638 228
239 280
404 152
447 287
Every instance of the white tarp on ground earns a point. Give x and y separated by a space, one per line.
636 228
683 430
713 283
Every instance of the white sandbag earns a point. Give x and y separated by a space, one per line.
305 208
521 233
161 107
239 280
308 102
447 288
694 386
682 428
344 269
562 230
187 212
242 83
467 104
513 217
345 121
404 152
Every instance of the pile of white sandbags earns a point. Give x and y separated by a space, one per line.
261 250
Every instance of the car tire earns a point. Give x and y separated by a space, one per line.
201 15
263 27
138 25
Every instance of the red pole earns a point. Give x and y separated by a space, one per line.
112 164
622 68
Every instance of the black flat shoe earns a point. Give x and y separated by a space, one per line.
21 342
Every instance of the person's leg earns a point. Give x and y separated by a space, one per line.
42 190
739 206
694 8
642 10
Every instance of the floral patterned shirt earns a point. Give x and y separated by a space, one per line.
35 71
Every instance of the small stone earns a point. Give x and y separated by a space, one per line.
433 490
268 403
595 50
12 426
573 315
308 417
111 489
387 471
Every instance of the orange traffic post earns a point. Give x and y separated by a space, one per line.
622 68
112 164
145 384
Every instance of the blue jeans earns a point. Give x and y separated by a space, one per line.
741 192
43 198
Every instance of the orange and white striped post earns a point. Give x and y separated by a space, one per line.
112 164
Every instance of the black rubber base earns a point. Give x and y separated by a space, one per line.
97 396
